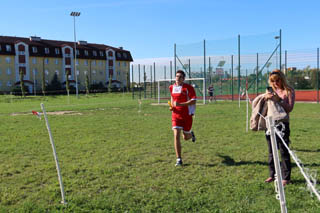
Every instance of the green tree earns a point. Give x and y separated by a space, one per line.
87 84
67 82
21 74
55 84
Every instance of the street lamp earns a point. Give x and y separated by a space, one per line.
75 14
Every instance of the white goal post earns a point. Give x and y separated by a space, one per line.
186 80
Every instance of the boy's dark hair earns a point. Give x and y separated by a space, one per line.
182 73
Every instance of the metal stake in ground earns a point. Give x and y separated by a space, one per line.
63 201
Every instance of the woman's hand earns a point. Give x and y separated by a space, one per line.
272 96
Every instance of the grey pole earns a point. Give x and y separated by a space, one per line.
257 75
285 62
280 49
318 75
210 75
132 82
154 78
165 78
139 82
204 66
151 81
238 64
144 82
170 70
232 76
189 68
175 58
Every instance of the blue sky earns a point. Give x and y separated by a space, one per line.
149 28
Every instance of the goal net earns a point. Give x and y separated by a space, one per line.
197 83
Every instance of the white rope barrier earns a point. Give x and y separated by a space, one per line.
310 183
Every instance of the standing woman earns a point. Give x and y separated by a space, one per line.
284 95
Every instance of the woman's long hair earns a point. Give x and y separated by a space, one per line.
277 74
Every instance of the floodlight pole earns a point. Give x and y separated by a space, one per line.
75 14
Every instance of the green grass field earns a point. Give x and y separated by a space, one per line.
116 159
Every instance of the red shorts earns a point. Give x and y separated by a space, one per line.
184 123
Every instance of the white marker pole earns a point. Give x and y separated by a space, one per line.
63 201
278 177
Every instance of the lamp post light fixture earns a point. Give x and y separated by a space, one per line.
75 14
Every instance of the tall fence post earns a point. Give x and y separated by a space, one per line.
257 75
139 82
175 58
318 75
154 78
150 81
144 82
204 65
280 59
132 82
189 64
170 71
239 68
232 77
285 62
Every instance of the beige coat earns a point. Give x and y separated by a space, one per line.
266 108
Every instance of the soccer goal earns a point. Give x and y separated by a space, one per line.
197 83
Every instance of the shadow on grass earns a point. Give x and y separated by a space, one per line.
230 162
200 164
307 150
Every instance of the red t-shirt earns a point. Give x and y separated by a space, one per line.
180 94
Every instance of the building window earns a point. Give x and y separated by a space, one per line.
94 53
125 55
46 50
110 54
34 60
46 60
86 53
57 50
8 60
119 55
56 61
94 81
94 72
93 63
47 82
78 72
57 72
34 49
124 64
78 52
85 62
101 73
8 71
77 62
8 48
46 72
101 53
119 64
100 63
68 61
9 84
35 71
